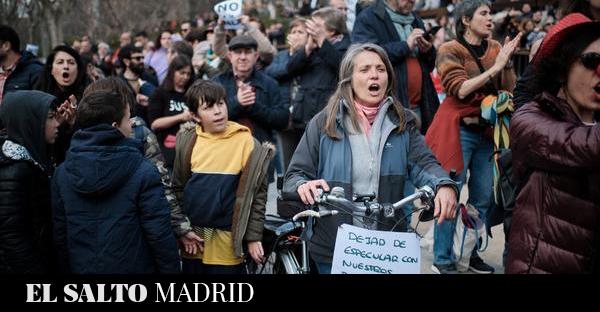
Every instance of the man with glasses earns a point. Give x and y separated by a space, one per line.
185 28
140 79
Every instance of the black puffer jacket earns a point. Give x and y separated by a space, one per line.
25 217
25 214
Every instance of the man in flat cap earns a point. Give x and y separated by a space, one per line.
253 98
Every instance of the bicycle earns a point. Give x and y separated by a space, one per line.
286 238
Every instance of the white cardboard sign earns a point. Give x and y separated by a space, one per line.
230 11
362 251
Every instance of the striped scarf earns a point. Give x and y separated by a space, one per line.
498 110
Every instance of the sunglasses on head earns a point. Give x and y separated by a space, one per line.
591 61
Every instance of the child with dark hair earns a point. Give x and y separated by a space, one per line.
151 149
223 198
26 233
110 197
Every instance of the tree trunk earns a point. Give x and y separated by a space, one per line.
53 26
93 26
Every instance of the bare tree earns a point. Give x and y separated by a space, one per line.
52 22
9 11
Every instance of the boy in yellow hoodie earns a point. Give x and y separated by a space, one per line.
219 178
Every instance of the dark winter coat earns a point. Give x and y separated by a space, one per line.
278 71
317 78
109 209
526 88
25 74
25 213
269 111
556 221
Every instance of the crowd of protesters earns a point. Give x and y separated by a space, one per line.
155 156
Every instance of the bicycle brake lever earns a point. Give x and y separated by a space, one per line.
305 213
427 197
312 213
337 191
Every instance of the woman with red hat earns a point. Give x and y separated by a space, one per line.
525 89
556 156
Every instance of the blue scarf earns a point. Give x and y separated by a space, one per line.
403 25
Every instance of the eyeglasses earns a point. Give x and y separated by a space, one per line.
137 58
591 61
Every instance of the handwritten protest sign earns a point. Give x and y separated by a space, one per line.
362 251
230 11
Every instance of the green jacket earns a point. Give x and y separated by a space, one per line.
251 194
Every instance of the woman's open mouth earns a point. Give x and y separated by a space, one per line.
597 89
66 77
374 89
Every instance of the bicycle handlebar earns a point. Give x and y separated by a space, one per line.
424 193
312 213
287 225
336 196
